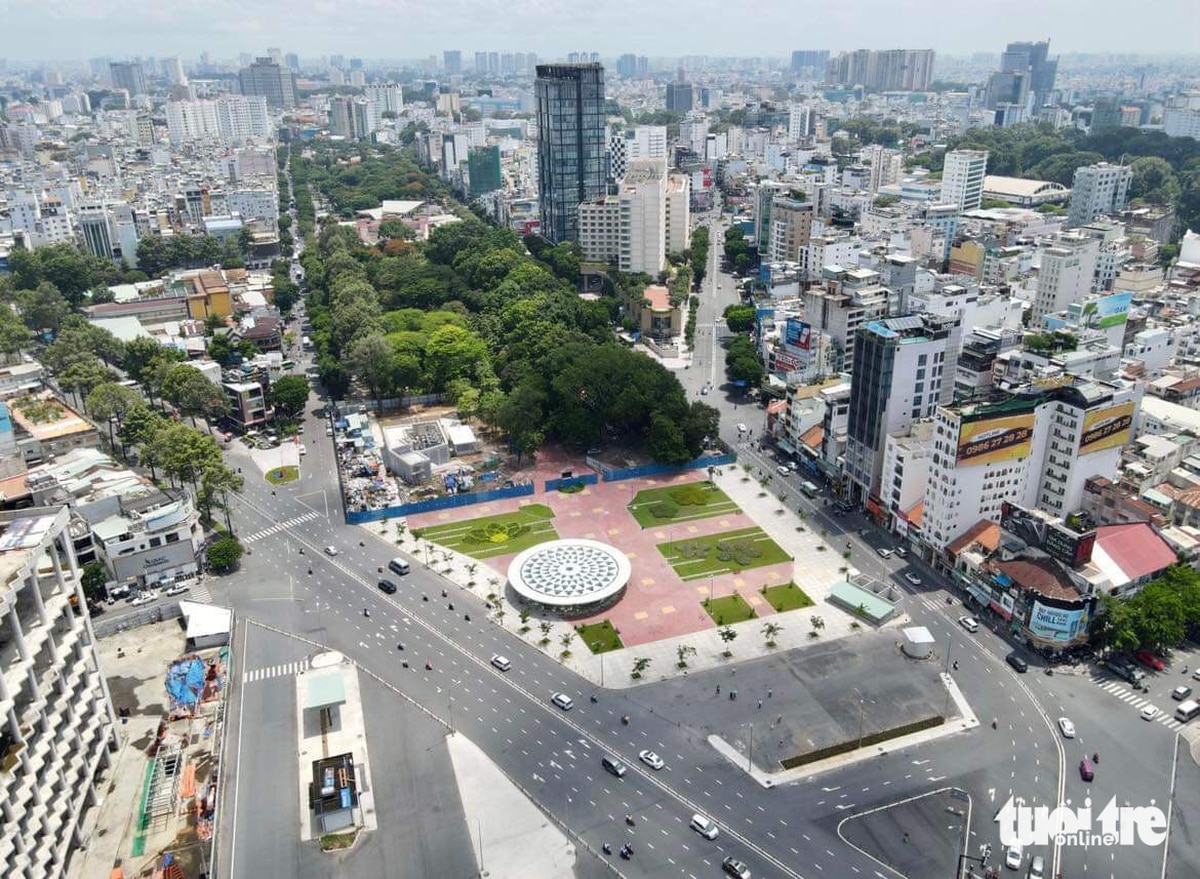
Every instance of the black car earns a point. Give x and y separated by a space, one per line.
387 586
1017 663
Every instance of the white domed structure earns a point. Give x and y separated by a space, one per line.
571 575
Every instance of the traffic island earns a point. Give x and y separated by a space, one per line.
920 838
283 475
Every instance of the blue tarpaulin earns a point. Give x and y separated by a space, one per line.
185 681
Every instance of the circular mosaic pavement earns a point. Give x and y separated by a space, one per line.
569 573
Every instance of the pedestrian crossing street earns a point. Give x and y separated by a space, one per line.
281 526
1136 700
274 671
198 593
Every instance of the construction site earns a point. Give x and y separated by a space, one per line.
159 798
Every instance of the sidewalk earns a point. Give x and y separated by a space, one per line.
513 838
813 570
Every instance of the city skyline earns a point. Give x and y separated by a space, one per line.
78 30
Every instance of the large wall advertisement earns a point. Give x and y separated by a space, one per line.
798 334
1056 624
1001 438
1072 548
1108 428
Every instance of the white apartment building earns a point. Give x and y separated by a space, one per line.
905 473
827 250
679 213
388 97
229 119
630 229
800 122
1182 122
649 142
885 165
153 537
962 178
1065 275
1035 450
1097 189
791 229
57 722
847 300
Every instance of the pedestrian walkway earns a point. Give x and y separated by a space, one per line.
281 526
1117 688
274 671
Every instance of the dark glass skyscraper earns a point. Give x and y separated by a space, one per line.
571 144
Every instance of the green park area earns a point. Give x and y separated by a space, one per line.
489 536
786 597
680 503
600 637
728 609
727 552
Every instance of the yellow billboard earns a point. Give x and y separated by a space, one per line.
1001 438
1107 428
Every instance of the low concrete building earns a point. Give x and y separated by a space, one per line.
47 428
152 538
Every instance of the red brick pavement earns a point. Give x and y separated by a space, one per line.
657 604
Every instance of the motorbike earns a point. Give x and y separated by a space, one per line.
629 820
625 719
606 848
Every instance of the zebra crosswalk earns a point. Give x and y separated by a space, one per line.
281 526
1135 700
274 671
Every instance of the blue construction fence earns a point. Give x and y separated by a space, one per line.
613 475
572 481
441 503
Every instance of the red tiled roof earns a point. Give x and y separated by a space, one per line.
1041 575
814 437
983 532
914 513
1136 549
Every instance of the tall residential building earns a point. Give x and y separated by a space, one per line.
483 170
229 119
627 66
801 120
1036 449
810 63
129 76
265 77
292 62
629 229
962 178
679 213
900 364
1032 59
571 144
680 97
791 228
1097 189
887 70
1181 118
452 62
173 67
99 236
388 97
1065 274
58 724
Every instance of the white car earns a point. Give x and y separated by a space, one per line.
331 551
303 451
563 701
884 553
177 589
969 624
783 471
651 759
501 662
145 598
1148 713
329 431
741 428
1013 856
704 826
913 578
1067 728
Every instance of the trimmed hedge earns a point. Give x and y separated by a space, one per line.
853 745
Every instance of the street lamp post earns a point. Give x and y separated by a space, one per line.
750 754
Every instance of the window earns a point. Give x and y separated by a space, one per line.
155 541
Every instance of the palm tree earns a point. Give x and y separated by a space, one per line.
770 630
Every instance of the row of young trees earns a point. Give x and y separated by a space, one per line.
496 324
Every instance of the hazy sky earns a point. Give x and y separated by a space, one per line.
48 29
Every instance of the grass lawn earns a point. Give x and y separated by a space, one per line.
728 610
680 503
600 637
789 596
727 552
281 475
490 536
332 842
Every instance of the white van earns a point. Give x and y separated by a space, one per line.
1187 711
398 566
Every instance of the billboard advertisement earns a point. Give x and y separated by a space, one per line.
1056 623
786 362
1057 541
1108 428
798 334
1107 311
999 438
